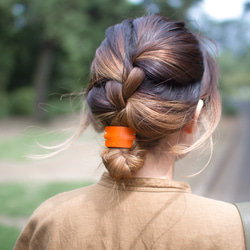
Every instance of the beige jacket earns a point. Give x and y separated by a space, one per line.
147 214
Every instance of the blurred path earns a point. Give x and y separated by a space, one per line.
232 184
227 177
78 162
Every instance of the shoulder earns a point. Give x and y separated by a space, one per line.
49 218
61 201
216 220
211 205
213 209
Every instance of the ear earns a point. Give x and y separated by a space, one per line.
191 126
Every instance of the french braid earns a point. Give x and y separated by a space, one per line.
148 74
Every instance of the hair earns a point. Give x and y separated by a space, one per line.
149 74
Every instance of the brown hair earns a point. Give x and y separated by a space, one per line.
149 74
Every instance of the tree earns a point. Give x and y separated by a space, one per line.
62 36
234 79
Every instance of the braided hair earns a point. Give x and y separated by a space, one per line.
149 74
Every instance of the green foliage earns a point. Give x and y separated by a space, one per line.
22 101
227 108
21 199
73 30
17 47
8 237
16 148
4 105
235 75
173 9
63 106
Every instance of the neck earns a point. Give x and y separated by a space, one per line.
159 165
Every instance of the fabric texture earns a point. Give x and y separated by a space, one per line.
140 213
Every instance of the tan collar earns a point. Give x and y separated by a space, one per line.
145 184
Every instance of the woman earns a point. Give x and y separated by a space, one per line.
153 86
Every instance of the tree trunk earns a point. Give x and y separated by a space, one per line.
41 78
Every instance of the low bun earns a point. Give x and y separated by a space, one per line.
122 163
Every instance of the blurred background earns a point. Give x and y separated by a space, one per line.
46 48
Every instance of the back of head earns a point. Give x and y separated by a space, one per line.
149 74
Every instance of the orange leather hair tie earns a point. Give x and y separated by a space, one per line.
119 137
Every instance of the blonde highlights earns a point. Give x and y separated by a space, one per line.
149 74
